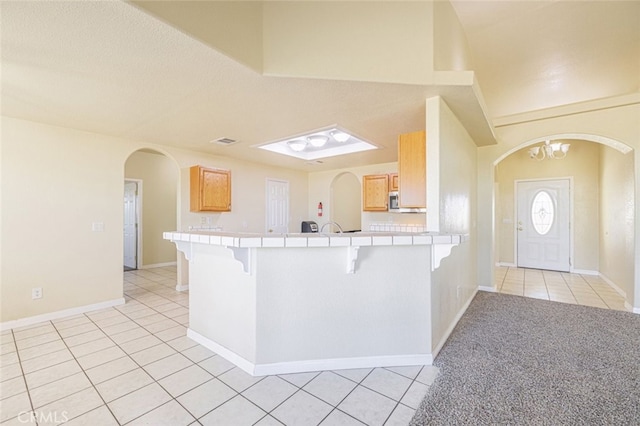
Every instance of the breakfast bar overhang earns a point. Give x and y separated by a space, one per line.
276 304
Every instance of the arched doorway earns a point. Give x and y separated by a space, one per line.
346 201
602 213
154 177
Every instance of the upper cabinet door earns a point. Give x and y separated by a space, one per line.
375 193
210 190
412 169
393 182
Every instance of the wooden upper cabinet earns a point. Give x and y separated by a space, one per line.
375 193
393 182
412 169
210 189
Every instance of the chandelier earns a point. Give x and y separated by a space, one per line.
555 151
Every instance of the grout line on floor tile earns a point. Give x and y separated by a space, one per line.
157 381
403 395
85 372
24 378
562 286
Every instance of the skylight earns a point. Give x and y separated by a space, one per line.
322 143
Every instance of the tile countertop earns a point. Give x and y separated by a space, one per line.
247 240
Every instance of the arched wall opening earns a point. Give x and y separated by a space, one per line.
346 201
157 175
603 224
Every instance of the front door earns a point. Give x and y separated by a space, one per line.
543 224
130 225
277 206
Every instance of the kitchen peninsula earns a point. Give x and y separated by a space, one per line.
286 303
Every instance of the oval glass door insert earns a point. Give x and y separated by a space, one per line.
542 212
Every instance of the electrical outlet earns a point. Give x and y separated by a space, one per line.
36 293
203 220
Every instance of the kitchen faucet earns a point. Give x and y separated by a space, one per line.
331 223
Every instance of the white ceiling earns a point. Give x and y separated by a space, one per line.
108 67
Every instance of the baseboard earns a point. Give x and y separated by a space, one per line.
158 265
240 362
487 288
584 272
447 333
23 322
182 287
634 310
342 363
613 285
309 365
506 264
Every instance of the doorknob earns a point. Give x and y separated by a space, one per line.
519 228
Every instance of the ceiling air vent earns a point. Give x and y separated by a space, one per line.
224 141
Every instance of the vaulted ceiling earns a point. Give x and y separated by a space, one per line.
113 68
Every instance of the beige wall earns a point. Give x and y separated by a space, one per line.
307 39
346 201
582 164
248 193
613 122
451 51
617 208
232 27
159 177
454 282
320 191
57 182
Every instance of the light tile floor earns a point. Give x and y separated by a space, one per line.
133 365
588 290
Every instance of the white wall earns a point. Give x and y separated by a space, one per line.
58 182
451 201
159 177
582 164
617 205
454 282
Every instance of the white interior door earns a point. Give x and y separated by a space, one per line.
131 224
543 228
277 206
